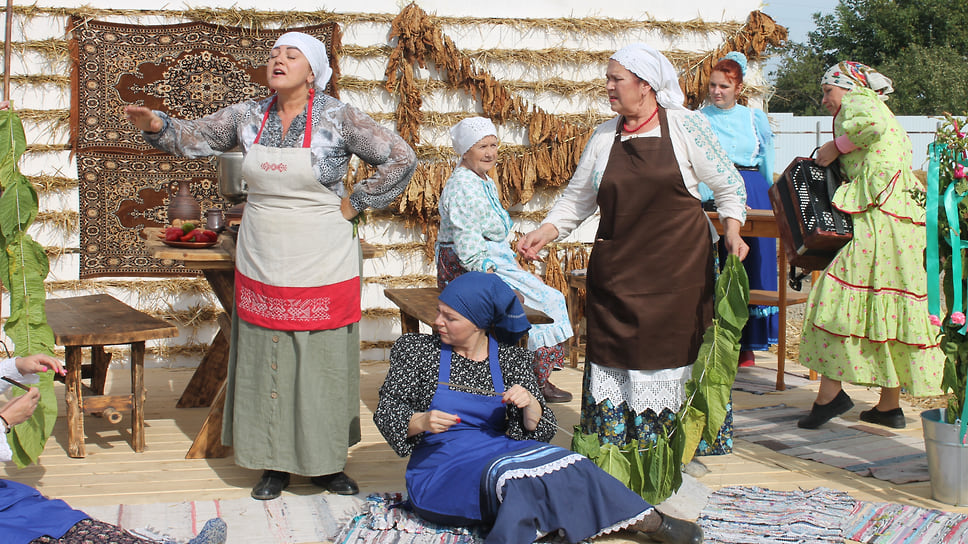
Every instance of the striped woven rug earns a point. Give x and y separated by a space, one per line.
860 448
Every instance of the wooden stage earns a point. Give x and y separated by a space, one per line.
113 473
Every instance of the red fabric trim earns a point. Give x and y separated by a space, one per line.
923 346
915 296
297 308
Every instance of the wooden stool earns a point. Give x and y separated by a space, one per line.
98 321
419 305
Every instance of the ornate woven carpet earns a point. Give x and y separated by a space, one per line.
186 70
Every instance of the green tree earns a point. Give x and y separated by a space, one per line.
922 45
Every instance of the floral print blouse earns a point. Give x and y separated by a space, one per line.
470 216
412 381
339 131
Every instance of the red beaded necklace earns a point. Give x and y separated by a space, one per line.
638 128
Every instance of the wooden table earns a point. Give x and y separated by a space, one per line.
97 321
759 224
207 385
419 305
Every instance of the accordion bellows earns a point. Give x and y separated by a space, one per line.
811 228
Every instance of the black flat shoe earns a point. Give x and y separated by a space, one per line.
271 485
822 413
891 418
676 531
338 483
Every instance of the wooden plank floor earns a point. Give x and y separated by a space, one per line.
112 473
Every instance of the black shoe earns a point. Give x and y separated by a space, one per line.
271 485
553 394
676 531
338 483
822 413
891 418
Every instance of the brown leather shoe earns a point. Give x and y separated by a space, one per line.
553 394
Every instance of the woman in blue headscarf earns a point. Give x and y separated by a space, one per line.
747 139
464 404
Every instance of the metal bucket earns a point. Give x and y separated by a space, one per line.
947 458
229 172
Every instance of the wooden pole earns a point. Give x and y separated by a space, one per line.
6 51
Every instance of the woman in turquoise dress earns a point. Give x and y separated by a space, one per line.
474 230
867 319
465 406
746 137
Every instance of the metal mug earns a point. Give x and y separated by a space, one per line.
229 172
214 220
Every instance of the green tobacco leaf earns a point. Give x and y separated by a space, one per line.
585 444
613 462
637 475
18 208
691 424
27 439
663 476
13 143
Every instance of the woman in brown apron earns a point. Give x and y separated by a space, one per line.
292 399
650 275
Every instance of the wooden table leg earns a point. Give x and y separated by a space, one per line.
203 386
571 302
74 398
138 396
100 361
208 441
781 288
408 323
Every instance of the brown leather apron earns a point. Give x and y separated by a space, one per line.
650 283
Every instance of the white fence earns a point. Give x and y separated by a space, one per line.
798 136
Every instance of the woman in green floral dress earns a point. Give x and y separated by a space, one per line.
867 320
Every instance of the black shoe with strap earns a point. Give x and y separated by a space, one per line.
891 418
822 413
270 486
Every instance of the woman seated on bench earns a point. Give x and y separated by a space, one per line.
466 407
26 516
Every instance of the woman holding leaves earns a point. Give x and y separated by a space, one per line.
464 405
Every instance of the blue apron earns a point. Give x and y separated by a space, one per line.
445 469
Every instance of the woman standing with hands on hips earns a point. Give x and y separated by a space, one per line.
746 137
866 320
292 402
650 274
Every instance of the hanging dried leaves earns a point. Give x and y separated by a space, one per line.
554 276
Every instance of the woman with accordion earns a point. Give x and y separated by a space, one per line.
866 320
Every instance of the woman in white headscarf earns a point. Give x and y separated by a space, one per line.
474 230
867 319
292 400
650 275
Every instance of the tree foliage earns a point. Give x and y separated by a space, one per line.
920 44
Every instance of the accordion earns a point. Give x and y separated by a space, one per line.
811 229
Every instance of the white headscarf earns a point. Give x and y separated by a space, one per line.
652 66
314 51
470 131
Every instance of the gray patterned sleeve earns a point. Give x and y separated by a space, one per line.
408 388
202 137
394 160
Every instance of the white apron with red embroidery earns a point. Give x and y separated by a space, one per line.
297 262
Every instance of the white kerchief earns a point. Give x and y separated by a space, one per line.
315 52
470 131
652 66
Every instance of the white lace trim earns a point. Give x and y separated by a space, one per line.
640 389
535 472
624 524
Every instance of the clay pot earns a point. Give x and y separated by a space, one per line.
182 205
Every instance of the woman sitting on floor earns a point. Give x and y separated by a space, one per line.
466 407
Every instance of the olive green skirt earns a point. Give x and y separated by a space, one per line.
292 398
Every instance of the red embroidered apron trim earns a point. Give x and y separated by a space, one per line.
297 308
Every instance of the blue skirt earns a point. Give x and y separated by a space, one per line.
762 329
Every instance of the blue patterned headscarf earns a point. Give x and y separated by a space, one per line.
486 301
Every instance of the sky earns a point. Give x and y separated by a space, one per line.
797 17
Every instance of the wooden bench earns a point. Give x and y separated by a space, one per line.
98 321
419 305
758 297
